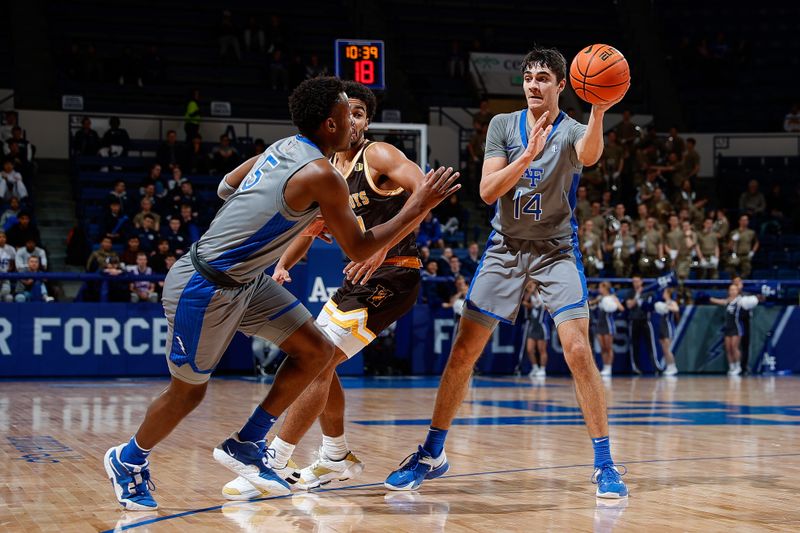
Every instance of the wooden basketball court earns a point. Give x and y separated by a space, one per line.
703 454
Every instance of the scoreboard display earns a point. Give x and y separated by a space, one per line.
361 61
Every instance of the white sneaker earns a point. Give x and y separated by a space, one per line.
541 372
240 489
323 471
534 371
606 372
734 370
671 370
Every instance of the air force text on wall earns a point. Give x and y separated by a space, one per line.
97 336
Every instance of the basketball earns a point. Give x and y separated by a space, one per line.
599 74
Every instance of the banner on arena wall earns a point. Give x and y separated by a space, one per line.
497 73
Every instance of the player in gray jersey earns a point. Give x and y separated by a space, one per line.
531 172
220 287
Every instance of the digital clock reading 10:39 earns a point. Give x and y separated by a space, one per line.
361 61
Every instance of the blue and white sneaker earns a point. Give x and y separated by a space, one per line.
416 468
131 483
609 482
249 460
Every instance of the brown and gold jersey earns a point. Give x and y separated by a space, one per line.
374 206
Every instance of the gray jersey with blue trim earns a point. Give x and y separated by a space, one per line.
254 226
541 205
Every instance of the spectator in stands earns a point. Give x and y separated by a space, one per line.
691 160
190 224
431 269
30 248
278 73
721 225
743 245
118 291
752 201
424 255
118 194
612 162
184 195
170 154
623 249
9 216
141 290
430 232
99 257
626 130
32 290
484 115
148 236
651 249
169 261
9 122
675 143
661 208
20 152
130 68
23 231
459 296
197 159
791 122
297 71
638 226
154 177
453 215
472 259
116 224
176 237
276 40
592 178
253 35
476 148
259 146
225 157
315 68
444 261
228 37
115 141
191 117
676 245
598 219
7 264
85 141
434 292
708 250
158 258
152 65
686 198
11 183
456 62
583 208
132 249
591 246
455 268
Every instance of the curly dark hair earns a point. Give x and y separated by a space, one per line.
363 93
312 102
549 57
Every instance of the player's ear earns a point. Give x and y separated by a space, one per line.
330 124
562 84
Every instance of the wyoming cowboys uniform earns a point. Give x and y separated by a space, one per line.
355 314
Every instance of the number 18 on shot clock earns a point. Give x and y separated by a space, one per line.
361 61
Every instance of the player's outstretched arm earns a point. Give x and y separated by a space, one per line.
319 182
499 176
385 159
235 177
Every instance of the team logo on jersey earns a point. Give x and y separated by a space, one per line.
555 148
359 167
380 295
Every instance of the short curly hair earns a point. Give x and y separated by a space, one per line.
548 57
363 93
312 102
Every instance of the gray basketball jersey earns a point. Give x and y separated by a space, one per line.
254 225
541 205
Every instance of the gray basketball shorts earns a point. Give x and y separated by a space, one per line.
507 265
202 318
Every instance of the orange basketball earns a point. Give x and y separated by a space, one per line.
599 74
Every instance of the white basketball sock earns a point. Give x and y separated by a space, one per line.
335 448
283 452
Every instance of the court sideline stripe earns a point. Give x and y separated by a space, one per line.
472 474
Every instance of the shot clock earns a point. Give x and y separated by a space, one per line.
361 61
